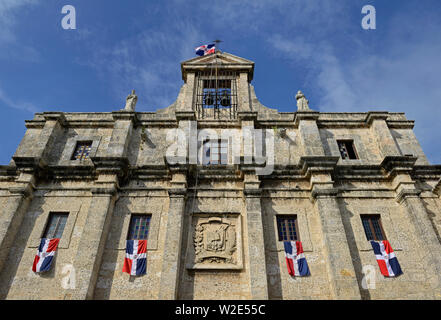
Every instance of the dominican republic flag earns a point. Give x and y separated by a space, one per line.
205 49
45 255
295 259
387 261
135 262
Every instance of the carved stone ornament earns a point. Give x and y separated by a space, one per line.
214 243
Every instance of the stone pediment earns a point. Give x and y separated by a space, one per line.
222 59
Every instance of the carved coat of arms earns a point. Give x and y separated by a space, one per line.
214 240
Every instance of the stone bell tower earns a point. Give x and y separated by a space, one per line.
216 86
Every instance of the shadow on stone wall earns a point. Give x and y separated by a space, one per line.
272 255
353 249
16 252
112 249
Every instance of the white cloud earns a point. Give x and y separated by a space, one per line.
9 44
17 104
147 62
400 76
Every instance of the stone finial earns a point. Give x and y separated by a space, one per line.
131 101
302 102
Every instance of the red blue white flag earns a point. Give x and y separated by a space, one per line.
205 49
45 255
135 262
386 259
295 259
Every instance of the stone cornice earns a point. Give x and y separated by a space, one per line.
185 115
247 115
318 164
55 116
398 164
116 165
125 115
305 115
405 193
376 115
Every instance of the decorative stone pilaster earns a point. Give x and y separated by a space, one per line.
256 245
309 133
88 258
341 272
12 214
171 257
427 242
376 120
36 144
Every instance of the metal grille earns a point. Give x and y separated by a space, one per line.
55 226
347 150
216 95
287 228
372 227
139 227
82 150
215 152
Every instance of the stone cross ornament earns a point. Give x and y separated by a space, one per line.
302 102
131 101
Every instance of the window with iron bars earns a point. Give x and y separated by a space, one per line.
55 226
216 95
372 227
347 149
139 227
82 150
287 228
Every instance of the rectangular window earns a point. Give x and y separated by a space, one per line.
82 150
287 228
139 227
55 226
372 227
347 149
215 152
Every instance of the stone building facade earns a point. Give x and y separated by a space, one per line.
214 231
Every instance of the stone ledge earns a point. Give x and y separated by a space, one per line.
376 115
404 193
247 115
185 115
318 164
55 116
305 115
395 164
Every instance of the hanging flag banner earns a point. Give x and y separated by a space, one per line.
295 259
386 259
45 255
205 49
135 262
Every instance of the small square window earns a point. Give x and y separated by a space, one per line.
287 228
347 149
55 226
139 227
372 227
82 150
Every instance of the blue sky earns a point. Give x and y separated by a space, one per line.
317 46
